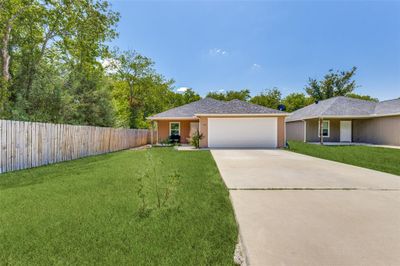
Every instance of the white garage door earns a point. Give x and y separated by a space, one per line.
243 132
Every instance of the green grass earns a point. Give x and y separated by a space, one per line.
87 212
381 159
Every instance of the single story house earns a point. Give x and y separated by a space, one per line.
347 119
224 124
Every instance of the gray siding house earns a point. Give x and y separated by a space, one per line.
347 120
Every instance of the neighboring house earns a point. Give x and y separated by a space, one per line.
224 124
347 120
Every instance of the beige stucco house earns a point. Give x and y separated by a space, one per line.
223 124
346 119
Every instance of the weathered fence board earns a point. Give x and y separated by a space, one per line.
30 144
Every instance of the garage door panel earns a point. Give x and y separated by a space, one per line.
242 132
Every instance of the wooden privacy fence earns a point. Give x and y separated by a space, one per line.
30 144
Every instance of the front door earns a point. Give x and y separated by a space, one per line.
345 131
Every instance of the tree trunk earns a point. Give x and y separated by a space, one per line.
5 56
33 67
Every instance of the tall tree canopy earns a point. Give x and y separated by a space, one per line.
50 51
269 98
186 97
243 95
335 83
362 97
53 69
295 101
138 91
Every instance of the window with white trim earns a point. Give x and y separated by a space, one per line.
174 129
326 129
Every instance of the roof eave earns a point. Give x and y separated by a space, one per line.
247 115
343 116
172 118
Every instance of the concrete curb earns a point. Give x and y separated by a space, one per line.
243 249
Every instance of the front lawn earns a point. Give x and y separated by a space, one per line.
381 159
105 210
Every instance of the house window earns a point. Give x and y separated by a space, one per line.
174 129
325 128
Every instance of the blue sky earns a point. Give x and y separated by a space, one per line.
223 45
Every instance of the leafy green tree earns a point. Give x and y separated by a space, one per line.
91 98
243 95
362 97
11 12
221 96
189 96
295 101
335 83
131 68
51 61
138 91
50 52
269 98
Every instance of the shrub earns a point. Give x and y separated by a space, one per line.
196 139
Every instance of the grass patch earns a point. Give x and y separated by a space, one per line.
87 211
377 158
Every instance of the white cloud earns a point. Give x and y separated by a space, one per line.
219 91
255 66
182 89
217 52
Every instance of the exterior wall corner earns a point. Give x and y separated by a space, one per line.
281 141
203 129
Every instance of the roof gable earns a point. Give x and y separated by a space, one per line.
349 106
388 107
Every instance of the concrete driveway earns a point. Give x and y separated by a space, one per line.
294 209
